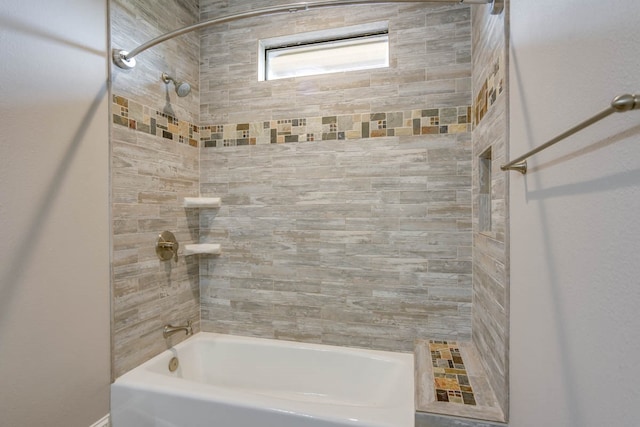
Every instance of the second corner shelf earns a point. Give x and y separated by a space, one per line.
202 249
202 202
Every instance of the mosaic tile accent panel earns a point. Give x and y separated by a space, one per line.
434 121
492 87
449 374
145 119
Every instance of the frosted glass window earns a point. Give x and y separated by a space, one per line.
356 53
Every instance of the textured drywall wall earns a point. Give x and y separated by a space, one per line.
574 216
54 213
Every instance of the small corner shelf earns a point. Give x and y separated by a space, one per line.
202 202
202 249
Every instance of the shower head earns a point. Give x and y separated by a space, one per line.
182 88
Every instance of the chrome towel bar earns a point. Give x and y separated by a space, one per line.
620 104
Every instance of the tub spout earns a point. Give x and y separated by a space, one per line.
170 330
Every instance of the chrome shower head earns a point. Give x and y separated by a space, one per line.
182 88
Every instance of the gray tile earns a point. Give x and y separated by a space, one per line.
490 256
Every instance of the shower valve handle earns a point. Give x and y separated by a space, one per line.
167 246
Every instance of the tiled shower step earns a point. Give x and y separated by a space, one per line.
434 420
450 380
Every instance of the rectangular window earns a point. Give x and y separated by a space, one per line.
315 53
361 53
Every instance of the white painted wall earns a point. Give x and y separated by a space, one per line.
54 213
575 228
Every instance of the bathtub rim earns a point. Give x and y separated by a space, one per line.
143 378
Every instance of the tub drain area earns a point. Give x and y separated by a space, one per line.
173 364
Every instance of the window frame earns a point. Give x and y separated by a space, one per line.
332 38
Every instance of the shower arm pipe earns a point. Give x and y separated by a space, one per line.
126 59
620 104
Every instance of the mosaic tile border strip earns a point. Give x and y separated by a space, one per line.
433 121
145 119
341 127
492 87
450 377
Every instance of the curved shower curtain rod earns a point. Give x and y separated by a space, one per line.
126 59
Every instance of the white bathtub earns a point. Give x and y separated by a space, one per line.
230 381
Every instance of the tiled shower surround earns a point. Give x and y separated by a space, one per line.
490 323
361 243
150 176
134 22
358 233
429 55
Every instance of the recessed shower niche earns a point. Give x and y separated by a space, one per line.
484 196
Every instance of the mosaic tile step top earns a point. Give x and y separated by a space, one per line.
449 374
451 380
